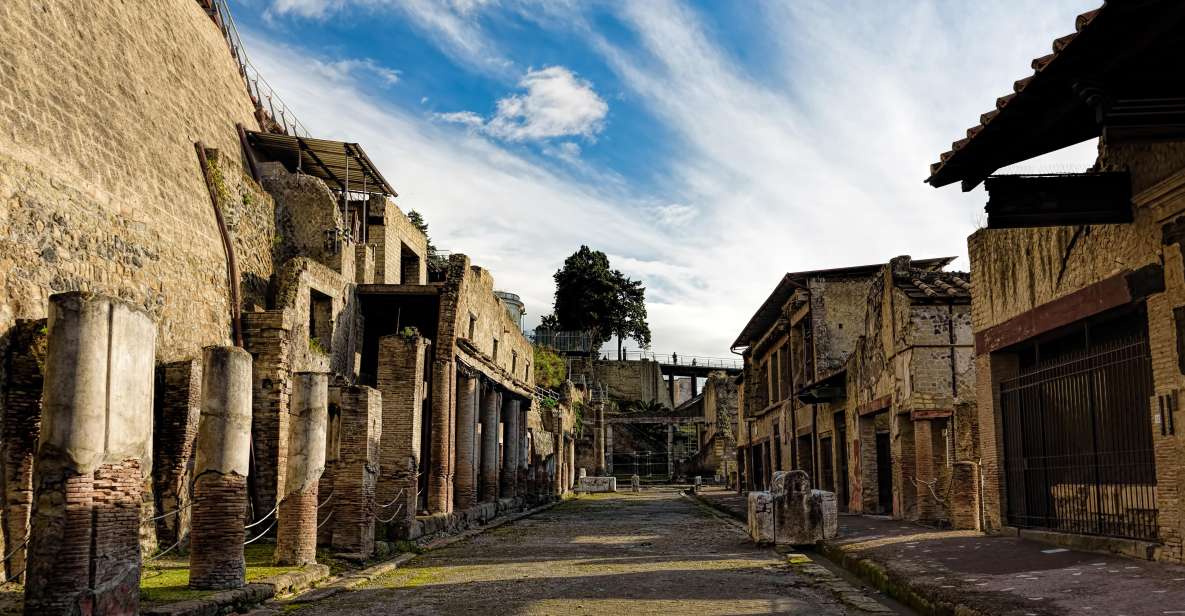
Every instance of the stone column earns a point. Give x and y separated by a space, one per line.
598 426
510 447
93 456
608 446
465 482
523 478
24 376
490 404
560 464
221 463
440 475
357 472
401 366
296 526
671 451
571 481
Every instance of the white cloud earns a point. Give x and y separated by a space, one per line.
343 70
556 103
567 151
814 160
315 9
673 214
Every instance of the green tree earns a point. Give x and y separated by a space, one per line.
589 296
437 264
550 370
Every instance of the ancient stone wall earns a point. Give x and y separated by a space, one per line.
477 303
394 240
100 188
837 311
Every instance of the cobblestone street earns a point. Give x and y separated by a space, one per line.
620 554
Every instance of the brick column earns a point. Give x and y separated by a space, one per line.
443 437
296 524
925 460
178 408
24 377
990 370
94 450
221 463
598 427
490 405
400 374
904 447
268 337
357 471
510 447
570 482
560 462
465 482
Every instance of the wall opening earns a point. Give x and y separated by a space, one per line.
320 320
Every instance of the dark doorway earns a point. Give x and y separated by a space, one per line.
826 466
841 452
884 474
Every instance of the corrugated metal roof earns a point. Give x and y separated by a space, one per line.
340 164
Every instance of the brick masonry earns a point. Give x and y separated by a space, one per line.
401 373
24 376
267 336
296 534
356 475
216 538
177 410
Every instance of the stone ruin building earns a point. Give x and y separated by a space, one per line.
211 318
1078 309
862 377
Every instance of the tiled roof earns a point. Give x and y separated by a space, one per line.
930 285
1019 90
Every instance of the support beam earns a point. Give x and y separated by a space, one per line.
490 405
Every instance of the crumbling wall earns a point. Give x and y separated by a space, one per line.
476 300
100 188
396 237
338 350
837 311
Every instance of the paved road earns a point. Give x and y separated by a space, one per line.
620 555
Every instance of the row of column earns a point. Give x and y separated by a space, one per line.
95 455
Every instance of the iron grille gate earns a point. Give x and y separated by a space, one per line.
1078 443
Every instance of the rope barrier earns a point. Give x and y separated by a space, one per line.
261 520
260 535
397 497
390 519
326 502
165 551
28 536
326 520
173 512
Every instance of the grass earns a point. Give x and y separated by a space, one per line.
167 580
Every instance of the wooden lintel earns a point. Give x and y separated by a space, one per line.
875 406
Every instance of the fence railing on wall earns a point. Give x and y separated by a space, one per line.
273 113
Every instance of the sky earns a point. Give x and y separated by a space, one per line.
706 147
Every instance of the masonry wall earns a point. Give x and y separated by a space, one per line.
1017 270
476 299
100 187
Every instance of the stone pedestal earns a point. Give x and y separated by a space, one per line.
357 471
597 484
296 534
761 517
221 464
802 516
93 456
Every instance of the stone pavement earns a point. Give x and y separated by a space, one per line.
937 571
650 553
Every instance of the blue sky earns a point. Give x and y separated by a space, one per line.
706 147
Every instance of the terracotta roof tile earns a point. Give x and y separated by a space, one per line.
1038 65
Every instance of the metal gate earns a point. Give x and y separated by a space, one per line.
1078 452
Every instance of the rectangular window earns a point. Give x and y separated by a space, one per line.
472 326
495 349
513 362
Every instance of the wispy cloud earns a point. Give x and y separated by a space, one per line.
343 70
556 103
813 158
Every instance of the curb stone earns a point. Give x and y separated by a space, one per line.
802 564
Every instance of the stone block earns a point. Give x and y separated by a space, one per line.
761 517
802 516
597 484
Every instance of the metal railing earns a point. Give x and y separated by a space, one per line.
268 103
675 359
562 341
